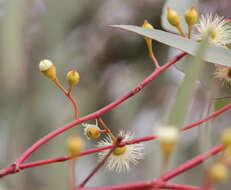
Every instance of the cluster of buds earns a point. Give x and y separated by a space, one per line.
75 143
49 70
190 16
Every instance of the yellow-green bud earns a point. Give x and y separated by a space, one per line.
72 77
119 150
48 69
191 16
93 131
75 145
173 18
226 137
147 25
218 172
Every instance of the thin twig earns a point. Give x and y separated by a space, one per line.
141 185
119 139
191 163
68 94
107 129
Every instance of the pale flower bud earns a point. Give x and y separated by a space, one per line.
48 69
168 137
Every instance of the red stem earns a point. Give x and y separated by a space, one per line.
94 150
143 185
191 163
12 168
64 158
119 139
96 114
207 118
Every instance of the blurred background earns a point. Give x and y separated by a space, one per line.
73 34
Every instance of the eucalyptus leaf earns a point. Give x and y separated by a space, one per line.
186 91
213 54
180 6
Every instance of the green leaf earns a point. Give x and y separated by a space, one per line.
186 91
180 6
221 102
213 54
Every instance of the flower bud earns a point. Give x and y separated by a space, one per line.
173 18
191 16
168 137
92 131
218 172
149 40
48 69
74 145
72 77
226 138
147 25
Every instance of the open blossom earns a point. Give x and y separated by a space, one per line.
221 32
223 73
122 157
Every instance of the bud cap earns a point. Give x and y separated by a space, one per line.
47 68
168 133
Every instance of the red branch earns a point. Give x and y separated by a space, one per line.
144 185
12 168
94 150
160 181
101 111
18 165
191 163
218 112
